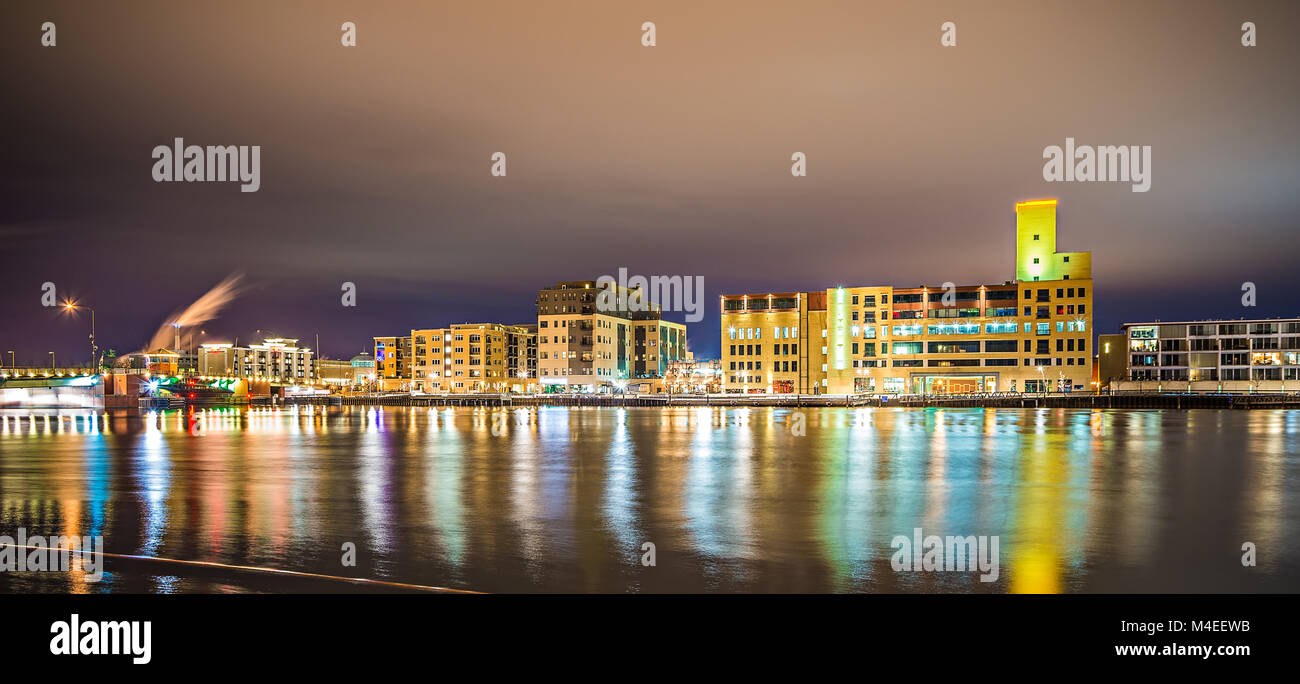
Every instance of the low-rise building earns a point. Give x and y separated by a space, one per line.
1245 355
363 369
694 376
334 372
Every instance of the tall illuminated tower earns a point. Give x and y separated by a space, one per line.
1036 255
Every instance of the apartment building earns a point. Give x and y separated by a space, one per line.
276 359
582 347
1256 355
473 358
657 344
393 363
1025 335
521 356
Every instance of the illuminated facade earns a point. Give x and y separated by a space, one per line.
1028 335
363 369
160 361
473 358
694 376
1261 355
344 374
275 359
765 343
582 347
393 363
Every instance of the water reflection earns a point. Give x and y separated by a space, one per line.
734 499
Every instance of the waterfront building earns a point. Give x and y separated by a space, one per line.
581 347
392 363
1111 360
766 342
473 358
187 362
657 344
160 361
696 376
521 357
363 369
275 359
333 372
1244 355
1030 334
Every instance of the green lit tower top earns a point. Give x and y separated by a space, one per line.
1036 255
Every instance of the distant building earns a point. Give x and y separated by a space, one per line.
187 362
275 359
473 358
160 361
363 369
658 344
1248 355
694 376
393 363
521 356
582 346
334 372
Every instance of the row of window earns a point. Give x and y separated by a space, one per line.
793 366
560 372
1214 344
1221 359
777 366
1214 374
757 350
947 363
780 333
1063 344
760 304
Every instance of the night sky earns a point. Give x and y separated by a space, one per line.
666 160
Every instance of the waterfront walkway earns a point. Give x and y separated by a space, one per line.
1127 400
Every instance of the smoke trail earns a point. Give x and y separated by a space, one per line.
201 311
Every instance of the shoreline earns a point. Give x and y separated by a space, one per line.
1108 401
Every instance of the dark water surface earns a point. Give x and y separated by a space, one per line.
734 499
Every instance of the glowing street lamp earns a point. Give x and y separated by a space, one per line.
70 305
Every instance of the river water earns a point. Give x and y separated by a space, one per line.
559 499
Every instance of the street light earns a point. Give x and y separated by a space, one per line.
73 306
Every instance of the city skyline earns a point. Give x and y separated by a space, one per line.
760 298
910 176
